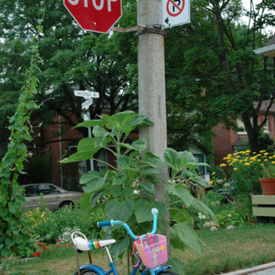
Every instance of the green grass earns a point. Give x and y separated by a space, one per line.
239 248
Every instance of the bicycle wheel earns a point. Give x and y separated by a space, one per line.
167 272
88 271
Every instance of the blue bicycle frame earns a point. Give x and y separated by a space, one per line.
112 270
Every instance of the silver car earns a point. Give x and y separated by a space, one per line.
54 196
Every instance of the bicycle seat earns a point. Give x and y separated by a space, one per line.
85 245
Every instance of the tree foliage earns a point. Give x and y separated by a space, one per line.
215 52
70 59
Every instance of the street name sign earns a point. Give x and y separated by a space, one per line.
95 15
175 13
86 104
86 94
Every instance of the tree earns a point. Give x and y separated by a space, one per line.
216 53
71 59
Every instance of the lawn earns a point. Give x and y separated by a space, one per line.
242 247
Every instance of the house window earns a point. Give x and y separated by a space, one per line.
102 157
265 127
200 158
241 127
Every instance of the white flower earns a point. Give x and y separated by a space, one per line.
201 216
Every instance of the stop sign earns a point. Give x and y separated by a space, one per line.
95 15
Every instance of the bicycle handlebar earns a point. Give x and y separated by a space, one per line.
105 223
154 212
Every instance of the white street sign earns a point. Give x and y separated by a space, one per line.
85 105
175 12
86 94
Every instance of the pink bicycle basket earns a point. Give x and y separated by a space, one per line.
152 250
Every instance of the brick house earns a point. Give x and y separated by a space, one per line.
226 141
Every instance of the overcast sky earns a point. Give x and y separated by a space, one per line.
246 4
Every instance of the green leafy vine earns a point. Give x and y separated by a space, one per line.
15 237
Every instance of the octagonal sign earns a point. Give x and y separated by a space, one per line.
95 15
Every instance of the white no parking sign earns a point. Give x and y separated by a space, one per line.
175 12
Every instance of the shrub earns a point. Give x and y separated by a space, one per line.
230 217
49 226
245 169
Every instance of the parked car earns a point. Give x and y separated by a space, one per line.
54 196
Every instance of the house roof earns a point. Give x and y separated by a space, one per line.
264 106
268 49
240 140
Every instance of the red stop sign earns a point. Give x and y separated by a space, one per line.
95 15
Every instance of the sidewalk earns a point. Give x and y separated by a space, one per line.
265 269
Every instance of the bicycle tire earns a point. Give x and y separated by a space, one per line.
167 272
88 271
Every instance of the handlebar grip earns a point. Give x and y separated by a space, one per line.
105 223
154 211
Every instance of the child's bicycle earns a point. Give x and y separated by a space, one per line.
152 251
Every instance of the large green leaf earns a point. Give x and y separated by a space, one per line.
119 210
171 158
141 120
93 181
181 192
199 180
177 264
85 201
89 123
151 171
180 215
143 210
99 131
148 187
185 233
201 207
152 160
139 145
86 149
119 247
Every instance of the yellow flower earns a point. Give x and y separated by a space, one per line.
211 182
235 169
247 164
223 165
213 173
262 151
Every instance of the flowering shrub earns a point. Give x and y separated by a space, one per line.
215 181
65 239
48 226
245 169
229 218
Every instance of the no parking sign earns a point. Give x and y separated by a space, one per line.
175 12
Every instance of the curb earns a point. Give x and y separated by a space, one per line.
251 270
